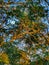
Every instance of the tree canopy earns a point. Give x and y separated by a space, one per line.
24 32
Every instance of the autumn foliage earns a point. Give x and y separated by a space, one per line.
24 37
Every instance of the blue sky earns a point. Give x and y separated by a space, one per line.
14 0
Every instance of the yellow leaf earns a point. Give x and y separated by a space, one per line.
4 57
47 58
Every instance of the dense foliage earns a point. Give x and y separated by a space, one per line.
24 32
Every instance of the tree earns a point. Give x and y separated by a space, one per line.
24 39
